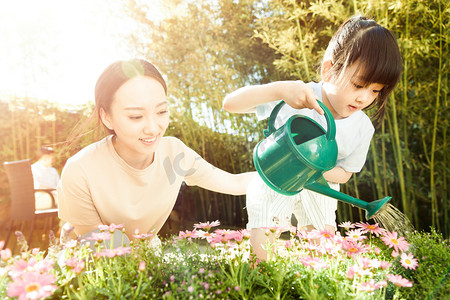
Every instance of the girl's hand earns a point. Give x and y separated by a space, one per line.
298 95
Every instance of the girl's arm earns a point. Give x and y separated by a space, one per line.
295 93
337 175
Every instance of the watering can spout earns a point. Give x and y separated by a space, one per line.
321 186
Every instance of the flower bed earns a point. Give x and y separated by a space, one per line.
365 262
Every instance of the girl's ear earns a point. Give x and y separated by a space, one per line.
325 70
105 119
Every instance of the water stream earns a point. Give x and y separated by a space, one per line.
392 219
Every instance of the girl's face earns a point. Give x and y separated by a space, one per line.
348 94
139 116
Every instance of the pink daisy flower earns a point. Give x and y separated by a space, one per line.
32 285
221 237
44 265
70 244
372 228
288 244
21 266
355 235
347 225
350 274
237 236
408 261
353 248
122 251
357 270
326 234
99 237
329 247
370 285
111 228
364 262
399 281
5 254
142 266
75 265
207 225
385 265
119 251
313 263
143 236
205 235
392 240
189 235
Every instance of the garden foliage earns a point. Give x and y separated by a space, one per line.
363 262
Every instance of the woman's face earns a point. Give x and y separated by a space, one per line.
139 116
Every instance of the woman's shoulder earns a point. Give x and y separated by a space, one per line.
171 142
173 147
90 152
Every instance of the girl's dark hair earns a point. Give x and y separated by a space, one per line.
375 48
115 75
111 79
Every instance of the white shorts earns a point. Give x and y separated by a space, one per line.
267 208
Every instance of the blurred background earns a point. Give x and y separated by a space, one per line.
52 52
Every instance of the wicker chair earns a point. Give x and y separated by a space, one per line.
23 205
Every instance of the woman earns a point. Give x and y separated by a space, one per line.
133 176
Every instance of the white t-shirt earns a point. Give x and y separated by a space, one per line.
44 177
353 134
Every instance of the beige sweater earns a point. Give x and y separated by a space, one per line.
98 187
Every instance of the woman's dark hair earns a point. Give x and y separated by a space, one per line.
115 75
375 48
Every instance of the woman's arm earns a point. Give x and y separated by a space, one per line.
337 175
295 93
223 182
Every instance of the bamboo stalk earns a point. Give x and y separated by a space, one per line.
434 201
383 158
302 47
396 144
407 157
355 187
445 191
377 179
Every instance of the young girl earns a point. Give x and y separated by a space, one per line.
360 68
133 176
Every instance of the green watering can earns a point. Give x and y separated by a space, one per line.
296 155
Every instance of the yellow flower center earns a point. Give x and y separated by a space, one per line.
370 227
32 287
353 249
407 261
394 241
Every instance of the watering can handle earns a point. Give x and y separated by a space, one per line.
331 132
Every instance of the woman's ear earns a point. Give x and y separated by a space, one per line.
325 70
105 119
